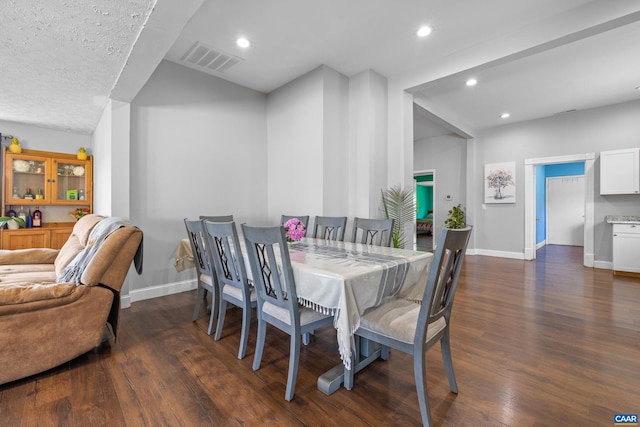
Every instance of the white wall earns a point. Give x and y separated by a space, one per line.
111 167
102 163
446 156
111 142
368 124
335 190
198 147
327 139
295 150
501 227
120 158
308 122
45 139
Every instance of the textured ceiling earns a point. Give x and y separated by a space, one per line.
60 59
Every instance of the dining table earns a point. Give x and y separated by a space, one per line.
345 279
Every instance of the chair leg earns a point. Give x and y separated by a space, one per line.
222 308
306 338
257 356
214 311
212 320
199 297
420 375
384 352
445 346
294 357
244 336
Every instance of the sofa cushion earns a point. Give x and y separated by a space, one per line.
37 273
28 256
76 242
56 296
68 252
83 227
21 293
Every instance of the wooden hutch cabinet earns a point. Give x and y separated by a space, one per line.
42 178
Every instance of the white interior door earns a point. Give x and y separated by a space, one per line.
565 210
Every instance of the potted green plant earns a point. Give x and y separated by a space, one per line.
455 218
399 204
13 222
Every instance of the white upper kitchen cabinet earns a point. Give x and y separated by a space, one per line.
620 171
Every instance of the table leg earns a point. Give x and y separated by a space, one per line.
330 381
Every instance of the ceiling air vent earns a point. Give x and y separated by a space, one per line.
207 58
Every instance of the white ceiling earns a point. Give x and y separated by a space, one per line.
61 59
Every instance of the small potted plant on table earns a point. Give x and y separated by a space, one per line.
455 218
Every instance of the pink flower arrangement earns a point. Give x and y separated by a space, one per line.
295 230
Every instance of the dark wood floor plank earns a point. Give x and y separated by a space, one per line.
13 401
540 343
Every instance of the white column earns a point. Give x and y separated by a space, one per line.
368 124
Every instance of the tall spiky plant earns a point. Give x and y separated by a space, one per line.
400 204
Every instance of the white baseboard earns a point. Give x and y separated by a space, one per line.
158 291
499 254
541 244
125 301
605 265
589 260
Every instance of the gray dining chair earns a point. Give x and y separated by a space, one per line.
230 270
214 218
304 219
277 297
329 227
205 277
372 231
414 328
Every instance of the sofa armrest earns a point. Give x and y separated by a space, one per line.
110 264
28 256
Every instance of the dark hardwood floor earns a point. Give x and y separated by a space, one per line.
543 343
424 242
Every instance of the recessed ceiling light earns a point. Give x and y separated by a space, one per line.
243 42
638 88
424 31
471 82
505 115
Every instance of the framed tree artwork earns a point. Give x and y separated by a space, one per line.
500 182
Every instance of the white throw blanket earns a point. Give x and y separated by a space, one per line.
102 230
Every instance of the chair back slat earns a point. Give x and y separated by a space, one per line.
227 256
217 218
271 270
201 257
329 227
442 281
378 232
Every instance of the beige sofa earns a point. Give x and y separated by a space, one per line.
43 323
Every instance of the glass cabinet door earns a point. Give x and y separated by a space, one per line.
70 181
27 180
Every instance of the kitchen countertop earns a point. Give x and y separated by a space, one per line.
622 219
